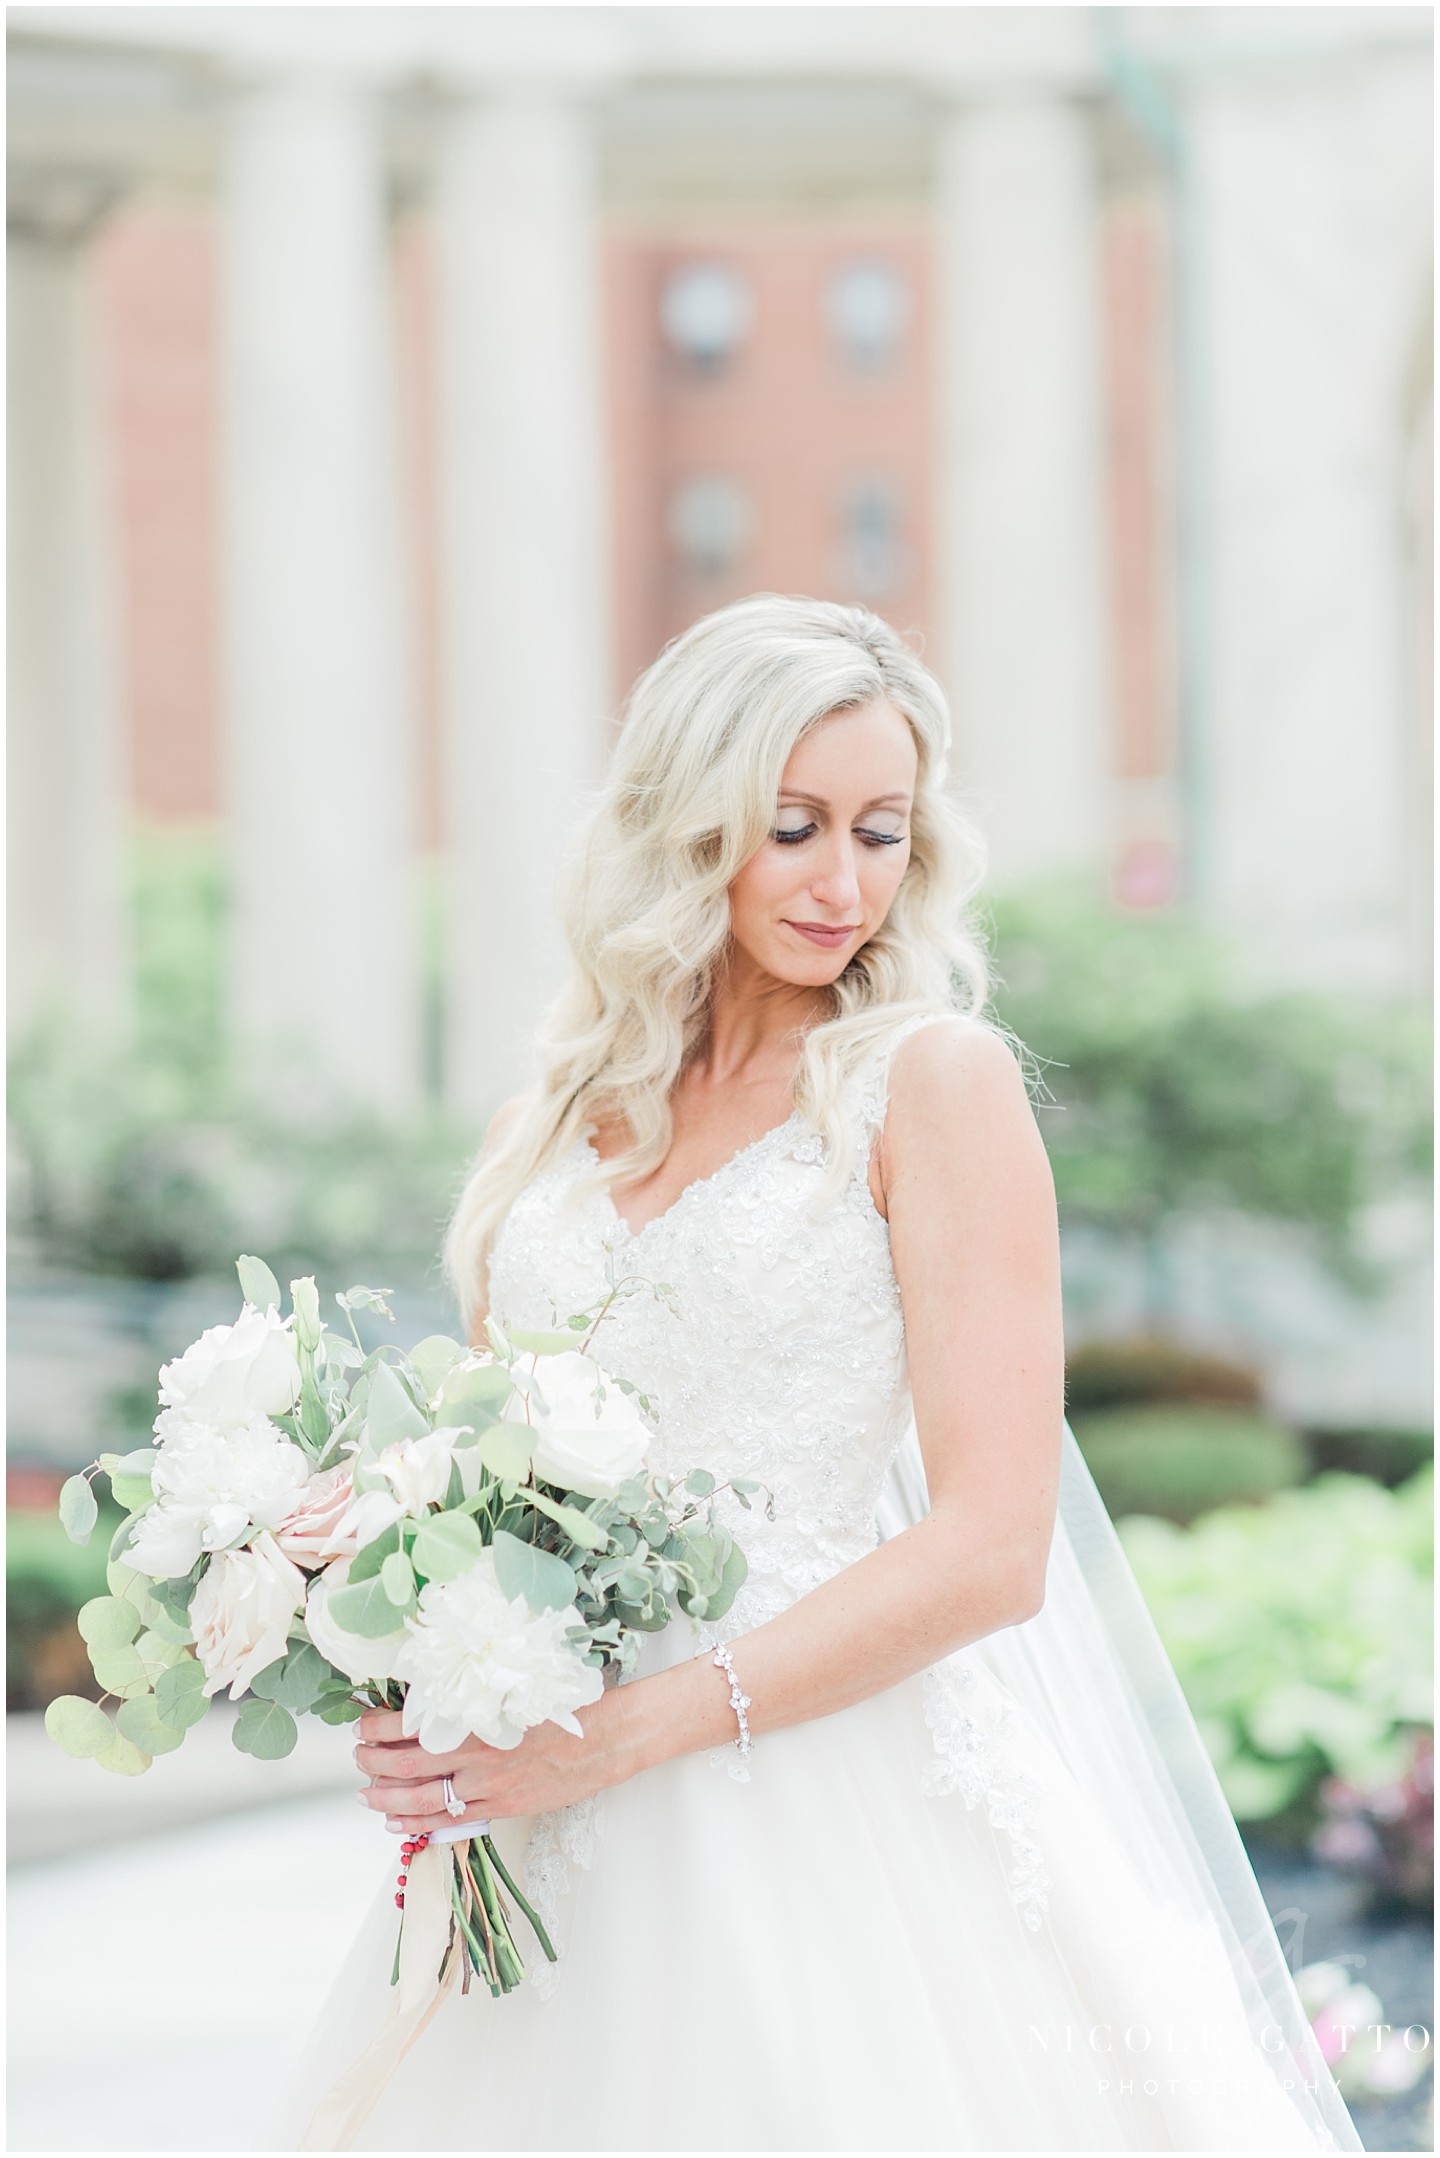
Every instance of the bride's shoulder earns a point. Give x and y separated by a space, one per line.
954 1081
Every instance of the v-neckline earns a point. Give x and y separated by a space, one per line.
699 1183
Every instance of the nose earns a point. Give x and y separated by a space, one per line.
836 882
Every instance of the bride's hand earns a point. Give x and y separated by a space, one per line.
549 1768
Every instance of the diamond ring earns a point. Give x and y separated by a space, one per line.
453 1806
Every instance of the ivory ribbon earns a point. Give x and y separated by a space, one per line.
342 2112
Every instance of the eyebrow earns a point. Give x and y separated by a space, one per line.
818 801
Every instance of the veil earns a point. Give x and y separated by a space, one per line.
1090 1673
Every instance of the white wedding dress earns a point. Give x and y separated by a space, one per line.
924 1923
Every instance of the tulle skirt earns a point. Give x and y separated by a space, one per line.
823 1957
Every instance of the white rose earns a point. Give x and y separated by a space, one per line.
241 1613
475 1661
235 1373
590 1437
359 1656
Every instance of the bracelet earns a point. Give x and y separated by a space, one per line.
739 1700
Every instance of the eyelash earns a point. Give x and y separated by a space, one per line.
805 831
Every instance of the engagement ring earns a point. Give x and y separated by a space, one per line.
453 1806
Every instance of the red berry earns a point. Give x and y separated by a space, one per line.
401 1901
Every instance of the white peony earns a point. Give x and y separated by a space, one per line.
359 1656
241 1613
233 1374
590 1437
211 1486
477 1662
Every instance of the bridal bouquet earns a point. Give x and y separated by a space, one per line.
469 1536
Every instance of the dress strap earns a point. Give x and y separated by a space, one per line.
872 1082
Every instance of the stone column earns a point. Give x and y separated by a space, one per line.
525 585
318 760
1311 251
1021 534
67 875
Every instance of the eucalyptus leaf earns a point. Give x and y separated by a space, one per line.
364 1608
123 1757
258 1285
139 1463
121 1670
123 1581
397 1578
732 1578
473 1386
557 1341
78 1727
78 1510
164 1623
504 1449
156 1653
700 1483
180 1697
577 1526
264 1729
295 1680
368 1561
433 1358
140 1722
390 1413
342 1711
107 1622
341 1353
446 1546
545 1581
360 1298
132 1492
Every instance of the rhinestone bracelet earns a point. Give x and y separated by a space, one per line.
739 1700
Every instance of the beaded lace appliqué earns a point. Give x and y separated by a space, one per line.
572 1834
969 1758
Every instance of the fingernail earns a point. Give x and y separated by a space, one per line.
362 1800
395 1828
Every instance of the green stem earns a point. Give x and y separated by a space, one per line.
479 1956
493 1857
512 1968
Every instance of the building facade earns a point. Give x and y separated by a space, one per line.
388 385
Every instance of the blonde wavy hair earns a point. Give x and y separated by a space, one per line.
690 797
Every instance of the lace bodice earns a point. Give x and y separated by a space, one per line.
780 1353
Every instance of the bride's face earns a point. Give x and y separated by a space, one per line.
824 880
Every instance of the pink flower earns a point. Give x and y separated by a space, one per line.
241 1614
312 1532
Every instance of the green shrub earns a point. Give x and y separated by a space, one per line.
1104 1374
1389 1456
1179 1460
1178 1087
1300 1631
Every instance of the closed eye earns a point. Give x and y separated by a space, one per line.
786 837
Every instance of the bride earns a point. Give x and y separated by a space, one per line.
968 1883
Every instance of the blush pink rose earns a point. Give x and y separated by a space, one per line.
312 1533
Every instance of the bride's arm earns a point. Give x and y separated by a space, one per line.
976 1252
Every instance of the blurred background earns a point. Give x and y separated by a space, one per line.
385 387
